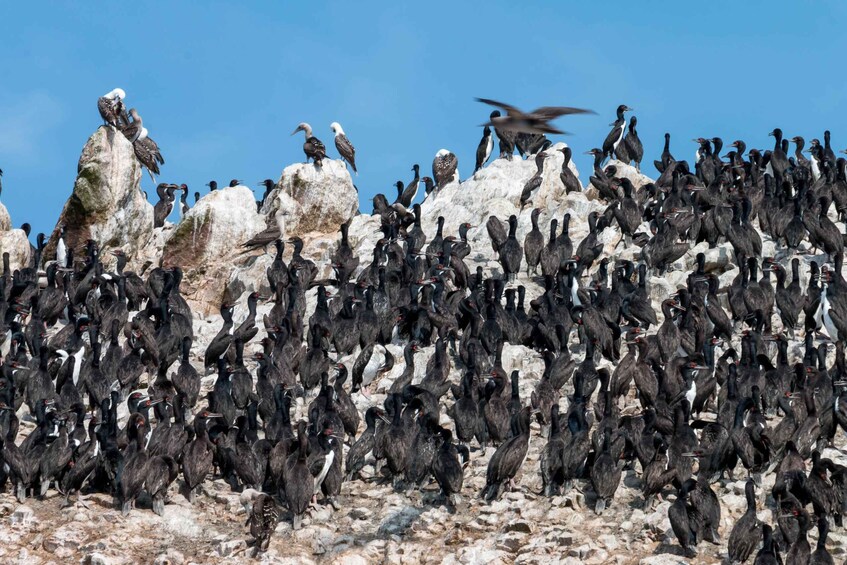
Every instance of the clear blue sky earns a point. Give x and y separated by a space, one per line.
221 86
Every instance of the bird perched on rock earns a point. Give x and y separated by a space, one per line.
132 129
444 167
537 121
165 205
345 148
275 230
263 517
312 147
483 150
615 137
110 106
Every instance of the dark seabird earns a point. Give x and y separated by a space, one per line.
408 194
535 180
110 106
444 168
269 187
275 229
531 143
165 205
536 121
633 144
483 150
533 244
183 201
345 148
616 135
213 185
505 138
568 177
312 147
1 182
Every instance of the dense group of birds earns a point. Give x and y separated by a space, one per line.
749 377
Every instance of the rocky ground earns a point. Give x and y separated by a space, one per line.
373 522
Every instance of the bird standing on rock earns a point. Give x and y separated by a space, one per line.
345 148
312 147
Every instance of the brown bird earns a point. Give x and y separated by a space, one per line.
536 121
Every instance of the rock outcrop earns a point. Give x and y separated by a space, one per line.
316 199
16 244
206 244
5 220
107 203
373 522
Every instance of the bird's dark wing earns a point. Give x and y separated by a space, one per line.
551 112
345 148
509 109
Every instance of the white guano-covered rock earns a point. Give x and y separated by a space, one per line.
316 199
107 204
5 219
207 244
16 244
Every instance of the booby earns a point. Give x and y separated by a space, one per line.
312 147
536 121
148 154
616 135
132 130
444 167
110 106
483 150
345 148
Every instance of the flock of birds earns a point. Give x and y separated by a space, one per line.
710 391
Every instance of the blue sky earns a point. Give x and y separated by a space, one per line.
221 86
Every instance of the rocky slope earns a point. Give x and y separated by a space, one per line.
373 522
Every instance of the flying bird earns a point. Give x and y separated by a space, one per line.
536 121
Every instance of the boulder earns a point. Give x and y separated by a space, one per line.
636 177
107 203
5 220
15 243
316 199
207 244
496 190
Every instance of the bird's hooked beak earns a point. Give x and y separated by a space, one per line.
299 128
